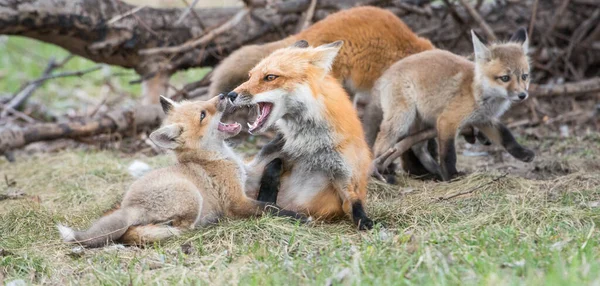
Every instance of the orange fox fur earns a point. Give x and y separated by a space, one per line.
323 145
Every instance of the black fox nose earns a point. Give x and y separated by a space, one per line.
232 95
522 95
221 96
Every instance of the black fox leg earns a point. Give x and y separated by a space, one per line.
499 134
447 158
359 216
269 183
413 165
470 134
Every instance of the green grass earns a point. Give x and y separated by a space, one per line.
513 231
23 59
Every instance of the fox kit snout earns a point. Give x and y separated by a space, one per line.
441 90
206 183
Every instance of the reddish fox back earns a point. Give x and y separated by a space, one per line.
375 38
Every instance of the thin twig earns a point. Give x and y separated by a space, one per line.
308 15
63 62
491 36
187 11
145 26
557 17
472 189
126 14
66 74
18 114
201 41
533 17
98 106
413 9
26 91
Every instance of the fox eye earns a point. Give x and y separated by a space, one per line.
202 115
505 78
524 76
271 77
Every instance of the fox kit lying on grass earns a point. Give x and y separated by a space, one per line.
375 39
445 91
322 142
206 183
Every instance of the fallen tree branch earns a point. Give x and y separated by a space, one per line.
570 89
116 121
402 146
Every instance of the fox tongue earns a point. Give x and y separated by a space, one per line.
228 127
263 112
266 109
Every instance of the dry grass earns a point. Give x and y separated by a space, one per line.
511 231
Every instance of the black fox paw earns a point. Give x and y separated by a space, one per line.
524 155
365 224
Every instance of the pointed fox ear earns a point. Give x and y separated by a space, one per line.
167 104
520 36
300 44
482 53
166 136
325 55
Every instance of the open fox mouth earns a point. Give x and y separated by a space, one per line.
264 110
233 128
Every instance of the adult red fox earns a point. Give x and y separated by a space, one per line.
441 90
206 183
321 139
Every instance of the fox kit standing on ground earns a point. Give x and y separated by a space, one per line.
441 90
206 183
321 139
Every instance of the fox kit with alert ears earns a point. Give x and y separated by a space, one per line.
441 90
321 140
206 183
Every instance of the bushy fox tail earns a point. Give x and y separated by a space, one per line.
143 234
108 228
